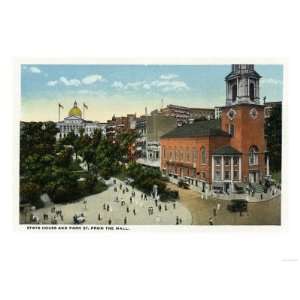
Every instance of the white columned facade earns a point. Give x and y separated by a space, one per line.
222 168
212 168
231 168
240 168
231 173
268 166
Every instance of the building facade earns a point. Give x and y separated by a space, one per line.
185 115
76 124
226 152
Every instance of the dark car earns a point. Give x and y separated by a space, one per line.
183 184
238 205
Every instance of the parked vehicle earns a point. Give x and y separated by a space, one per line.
183 184
238 205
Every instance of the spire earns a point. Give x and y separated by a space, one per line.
242 85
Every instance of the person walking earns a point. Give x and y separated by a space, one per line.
177 220
104 206
215 212
155 202
125 221
174 205
127 209
109 221
180 221
261 196
166 208
130 199
159 208
99 217
210 221
107 208
134 212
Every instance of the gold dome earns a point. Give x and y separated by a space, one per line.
75 111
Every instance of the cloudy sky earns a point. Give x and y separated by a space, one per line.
122 89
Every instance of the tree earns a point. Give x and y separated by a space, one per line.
273 131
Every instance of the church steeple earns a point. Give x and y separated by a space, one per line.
242 85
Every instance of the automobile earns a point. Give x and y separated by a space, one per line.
183 184
238 205
78 219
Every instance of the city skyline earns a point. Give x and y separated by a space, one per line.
123 89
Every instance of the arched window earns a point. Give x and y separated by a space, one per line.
234 92
253 155
231 129
251 91
203 155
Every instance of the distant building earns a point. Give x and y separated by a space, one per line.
156 125
269 106
185 115
75 123
218 112
226 152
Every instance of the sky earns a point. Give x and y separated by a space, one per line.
123 89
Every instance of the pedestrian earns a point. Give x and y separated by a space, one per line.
215 212
261 196
174 205
61 217
218 206
156 202
109 221
130 200
125 221
127 209
177 220
159 208
99 217
210 220
146 197
142 196
180 221
104 206
107 208
134 213
166 208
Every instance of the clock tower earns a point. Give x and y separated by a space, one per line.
242 85
243 118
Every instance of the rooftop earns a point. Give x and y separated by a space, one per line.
197 129
227 150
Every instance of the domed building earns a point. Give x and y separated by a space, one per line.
75 111
75 122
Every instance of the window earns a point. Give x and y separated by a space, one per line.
234 92
217 175
218 160
203 155
251 91
235 161
164 152
226 160
235 175
226 175
231 129
195 155
253 155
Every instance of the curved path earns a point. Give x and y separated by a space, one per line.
117 213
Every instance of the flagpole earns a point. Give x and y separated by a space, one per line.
58 113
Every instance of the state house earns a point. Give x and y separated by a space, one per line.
225 153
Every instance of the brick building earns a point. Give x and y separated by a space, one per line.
186 115
226 152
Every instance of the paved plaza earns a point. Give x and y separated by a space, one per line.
266 212
93 205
